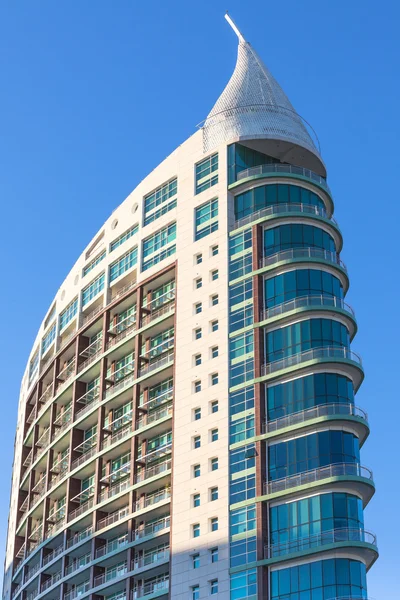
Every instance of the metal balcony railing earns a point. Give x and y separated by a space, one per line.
152 471
116 436
154 401
302 253
278 209
152 528
83 458
159 585
118 292
150 558
121 384
319 300
322 410
153 498
77 563
307 477
80 589
282 169
112 546
113 490
79 536
52 555
157 363
157 415
158 312
51 581
111 574
328 352
113 517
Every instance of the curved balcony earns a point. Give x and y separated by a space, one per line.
314 301
334 354
334 409
358 477
285 208
303 254
364 540
271 170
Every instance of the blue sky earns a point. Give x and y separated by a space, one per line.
95 94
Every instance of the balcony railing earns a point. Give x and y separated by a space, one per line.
153 498
113 490
51 581
307 477
116 436
160 585
113 517
32 416
165 396
31 572
89 399
28 460
121 384
161 300
90 353
118 292
157 363
77 563
92 314
112 546
306 302
278 209
159 413
80 510
152 471
158 312
52 555
322 410
319 539
44 438
110 574
328 352
83 458
78 537
152 528
302 253
150 558
82 588
282 169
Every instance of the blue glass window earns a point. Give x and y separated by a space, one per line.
240 292
240 266
243 551
207 173
244 585
241 318
296 235
241 429
95 261
49 338
301 282
153 251
123 237
206 219
160 197
69 313
126 262
33 365
243 519
242 372
91 290
240 158
240 242
241 400
242 489
241 344
242 458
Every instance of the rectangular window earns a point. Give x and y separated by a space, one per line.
195 561
214 587
91 290
126 262
214 300
198 307
214 250
197 333
199 259
95 261
214 406
206 219
196 471
49 338
214 555
214 352
197 360
164 197
197 387
214 435
207 173
214 325
214 379
214 464
196 500
33 365
123 237
197 414
213 494
198 283
158 246
214 524
214 275
196 530
68 314
196 442
195 592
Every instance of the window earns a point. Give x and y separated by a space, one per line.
206 173
214 435
214 379
214 325
214 464
197 386
68 313
48 339
195 592
198 307
91 290
214 587
197 414
196 441
126 262
152 246
214 250
95 261
197 333
196 500
195 561
214 406
160 197
33 365
199 259
214 352
213 494
206 219
123 237
214 524
198 283
214 275
196 471
197 360
196 530
214 300
214 555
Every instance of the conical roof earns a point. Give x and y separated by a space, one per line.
253 105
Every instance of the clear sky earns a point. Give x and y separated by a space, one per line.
95 94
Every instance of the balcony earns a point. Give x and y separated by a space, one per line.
110 574
52 555
153 498
90 353
156 313
144 474
120 473
79 536
150 558
152 528
77 563
315 475
80 589
278 209
322 410
333 536
51 581
319 301
45 398
118 292
88 400
119 331
113 490
157 363
161 584
124 380
28 460
112 546
32 416
302 254
158 452
162 398
324 353
153 417
40 488
44 438
282 169
66 374
118 435
113 517
83 458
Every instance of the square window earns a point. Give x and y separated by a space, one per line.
214 587
214 379
214 435
214 464
214 325
197 333
213 494
197 360
198 307
198 283
214 250
214 275
199 259
196 471
213 524
196 441
214 352
197 414
195 561
214 300
196 500
196 529
214 555
214 406
195 592
197 386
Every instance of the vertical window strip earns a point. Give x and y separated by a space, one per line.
123 237
160 196
207 173
48 339
206 219
68 314
91 290
153 251
93 263
123 264
33 365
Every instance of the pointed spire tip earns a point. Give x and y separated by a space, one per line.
234 27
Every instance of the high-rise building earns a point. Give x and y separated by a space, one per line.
187 424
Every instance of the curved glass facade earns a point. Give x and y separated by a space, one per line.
298 283
296 235
277 193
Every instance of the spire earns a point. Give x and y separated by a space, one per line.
254 106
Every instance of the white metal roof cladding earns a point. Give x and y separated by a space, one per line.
254 105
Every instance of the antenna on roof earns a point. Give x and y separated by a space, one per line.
235 29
